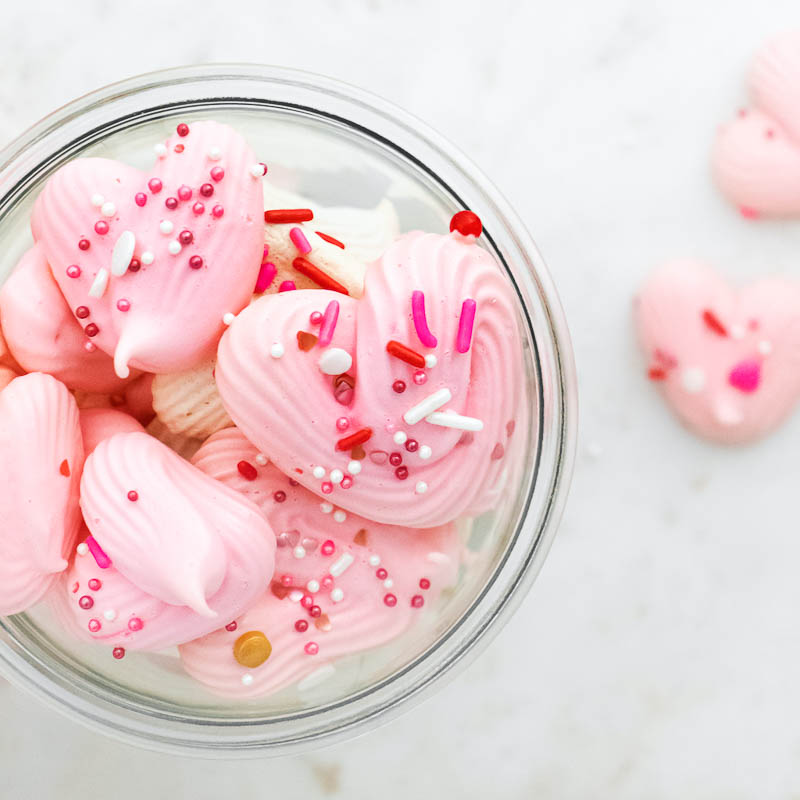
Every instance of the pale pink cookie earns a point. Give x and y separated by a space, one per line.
41 456
756 158
410 392
99 424
188 403
727 359
158 257
342 583
172 553
44 335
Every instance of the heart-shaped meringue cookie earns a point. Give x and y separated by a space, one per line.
45 336
756 157
308 378
342 584
41 456
174 553
160 257
727 359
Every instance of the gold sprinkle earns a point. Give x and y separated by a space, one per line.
305 341
252 649
358 453
323 622
361 537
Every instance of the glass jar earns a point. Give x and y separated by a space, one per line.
337 145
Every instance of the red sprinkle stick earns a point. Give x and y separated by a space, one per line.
305 267
286 215
355 439
712 321
406 354
657 374
329 239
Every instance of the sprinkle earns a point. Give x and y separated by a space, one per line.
417 601
140 198
318 472
160 150
91 330
279 496
147 258
301 626
465 324
420 320
712 322
81 312
359 437
103 561
354 467
339 516
328 325
73 271
299 240
247 679
745 376
693 380
133 495
296 596
94 625
764 347
118 653
396 459
424 583
657 374
336 475
427 406
447 419
390 600
374 560
421 487
312 648
420 378
122 253
100 284
182 129
165 226
174 247
288 215
412 445
335 361
328 548
342 424
217 211
198 208
101 227
247 470
276 351
84 244
261 460
341 564
299 552
337 595
399 387
207 189
215 154
287 286
86 602
228 318
252 649
406 354
326 487
266 275
94 584
430 361
388 583
82 549
155 185
329 239
97 200
136 624
184 192
467 223
401 473
217 174
400 437
305 267
326 508
110 614
257 170
123 304
195 262
108 209
312 586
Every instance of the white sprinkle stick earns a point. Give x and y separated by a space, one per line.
449 420
122 253
340 565
427 406
100 284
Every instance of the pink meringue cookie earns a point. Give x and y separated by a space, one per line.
279 383
727 359
99 424
176 553
366 583
194 224
44 335
756 157
41 456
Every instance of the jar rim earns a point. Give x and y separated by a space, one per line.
164 93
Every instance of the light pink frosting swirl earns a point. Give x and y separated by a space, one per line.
286 405
174 313
186 552
41 456
315 541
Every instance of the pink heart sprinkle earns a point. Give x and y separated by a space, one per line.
745 376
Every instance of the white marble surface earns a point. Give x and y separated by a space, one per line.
657 654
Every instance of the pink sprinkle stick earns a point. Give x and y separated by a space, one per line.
300 241
266 275
103 561
465 323
328 325
420 320
287 286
